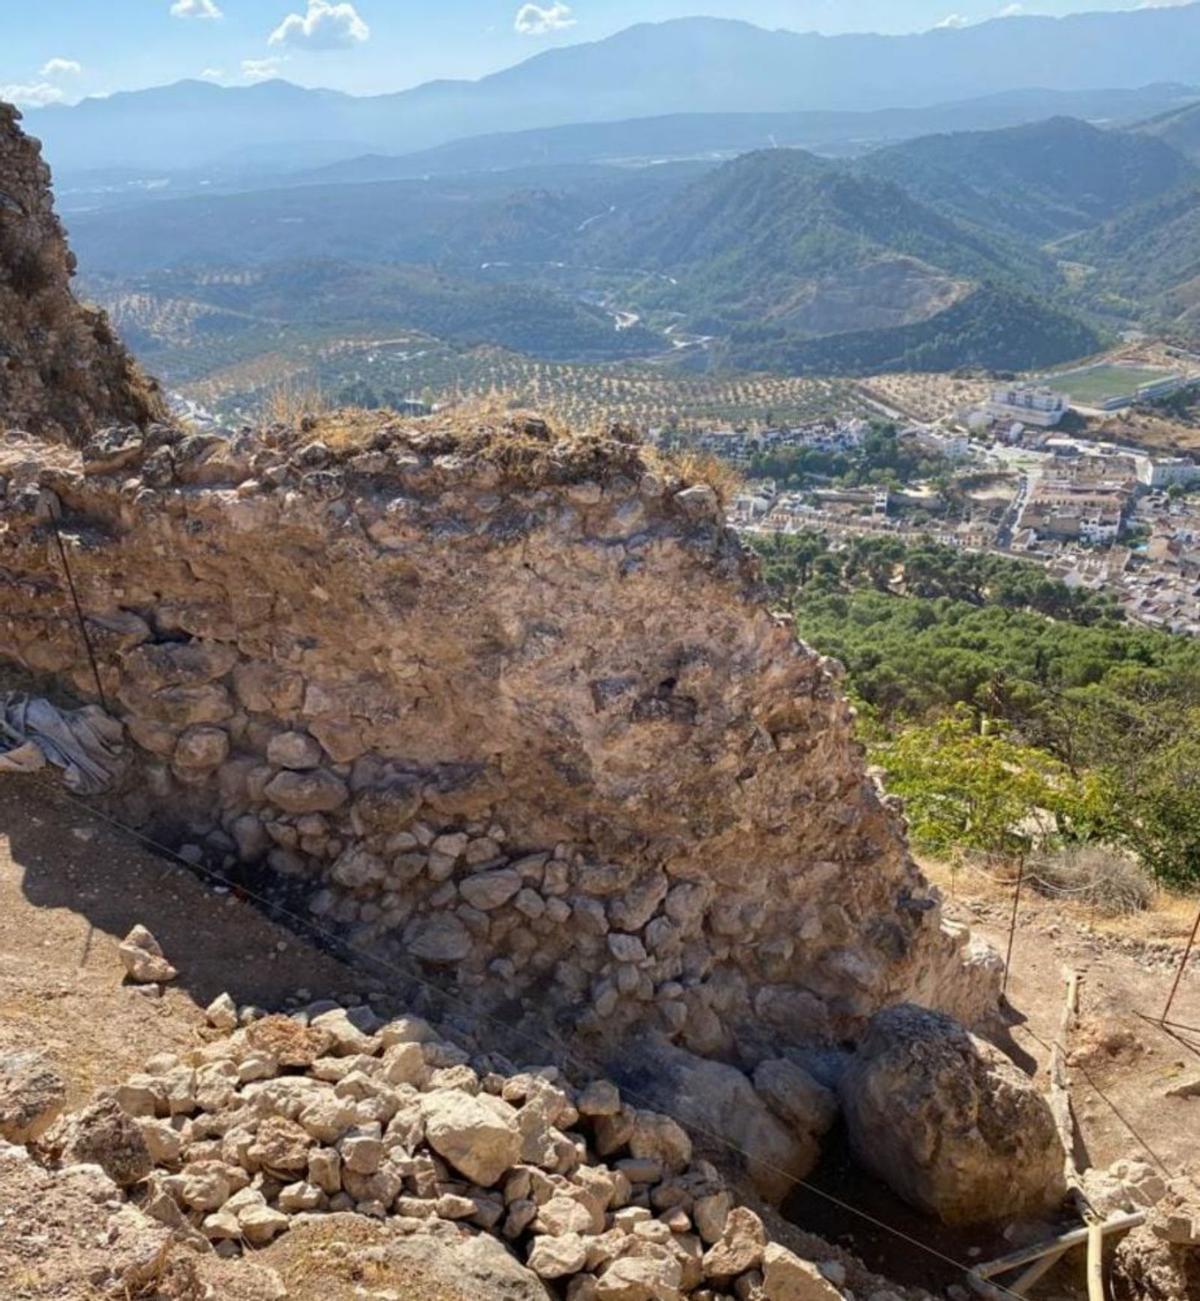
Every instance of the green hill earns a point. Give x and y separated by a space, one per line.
1179 128
1039 182
994 327
1147 261
784 236
804 266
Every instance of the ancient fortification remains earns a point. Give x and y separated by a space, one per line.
503 707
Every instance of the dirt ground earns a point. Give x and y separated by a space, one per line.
71 886
1123 1062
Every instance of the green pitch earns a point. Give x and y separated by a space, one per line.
1094 386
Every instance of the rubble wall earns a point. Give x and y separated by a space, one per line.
500 704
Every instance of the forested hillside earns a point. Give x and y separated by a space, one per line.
250 307
994 327
1147 260
1036 182
983 683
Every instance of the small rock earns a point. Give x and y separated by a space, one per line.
296 751
788 1278
600 1098
102 1134
740 1247
558 1257
478 1136
143 958
222 1013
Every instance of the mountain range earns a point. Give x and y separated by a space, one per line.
947 250
685 66
937 234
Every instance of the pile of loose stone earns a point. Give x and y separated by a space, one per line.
332 1110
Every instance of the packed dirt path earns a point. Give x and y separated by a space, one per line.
1124 1065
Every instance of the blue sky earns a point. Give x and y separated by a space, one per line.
60 50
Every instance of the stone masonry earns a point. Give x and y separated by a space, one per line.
504 704
500 704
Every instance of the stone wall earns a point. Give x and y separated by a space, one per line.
501 705
62 371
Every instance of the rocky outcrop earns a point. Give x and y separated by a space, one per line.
949 1122
63 373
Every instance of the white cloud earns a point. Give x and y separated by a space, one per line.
1011 11
326 26
952 20
61 68
261 69
541 20
196 9
35 95
212 74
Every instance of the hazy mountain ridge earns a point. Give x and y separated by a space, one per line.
1178 127
1039 181
777 258
682 66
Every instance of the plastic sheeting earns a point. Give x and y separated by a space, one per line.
86 743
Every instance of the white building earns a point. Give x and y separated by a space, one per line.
1157 474
1032 406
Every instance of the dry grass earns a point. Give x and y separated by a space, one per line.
529 448
1111 883
703 467
1167 916
289 403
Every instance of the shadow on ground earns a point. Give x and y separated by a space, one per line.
68 859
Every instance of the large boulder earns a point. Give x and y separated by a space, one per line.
31 1097
949 1122
712 1098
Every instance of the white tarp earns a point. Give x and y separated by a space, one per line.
86 743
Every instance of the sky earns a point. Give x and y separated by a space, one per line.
57 51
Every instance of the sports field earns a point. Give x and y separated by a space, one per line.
1094 386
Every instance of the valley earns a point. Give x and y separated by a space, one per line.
1016 249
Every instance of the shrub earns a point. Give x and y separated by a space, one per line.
1105 879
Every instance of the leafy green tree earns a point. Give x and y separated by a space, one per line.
967 788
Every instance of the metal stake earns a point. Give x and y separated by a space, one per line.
1187 953
83 632
1012 926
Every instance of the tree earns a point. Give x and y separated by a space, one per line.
976 789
